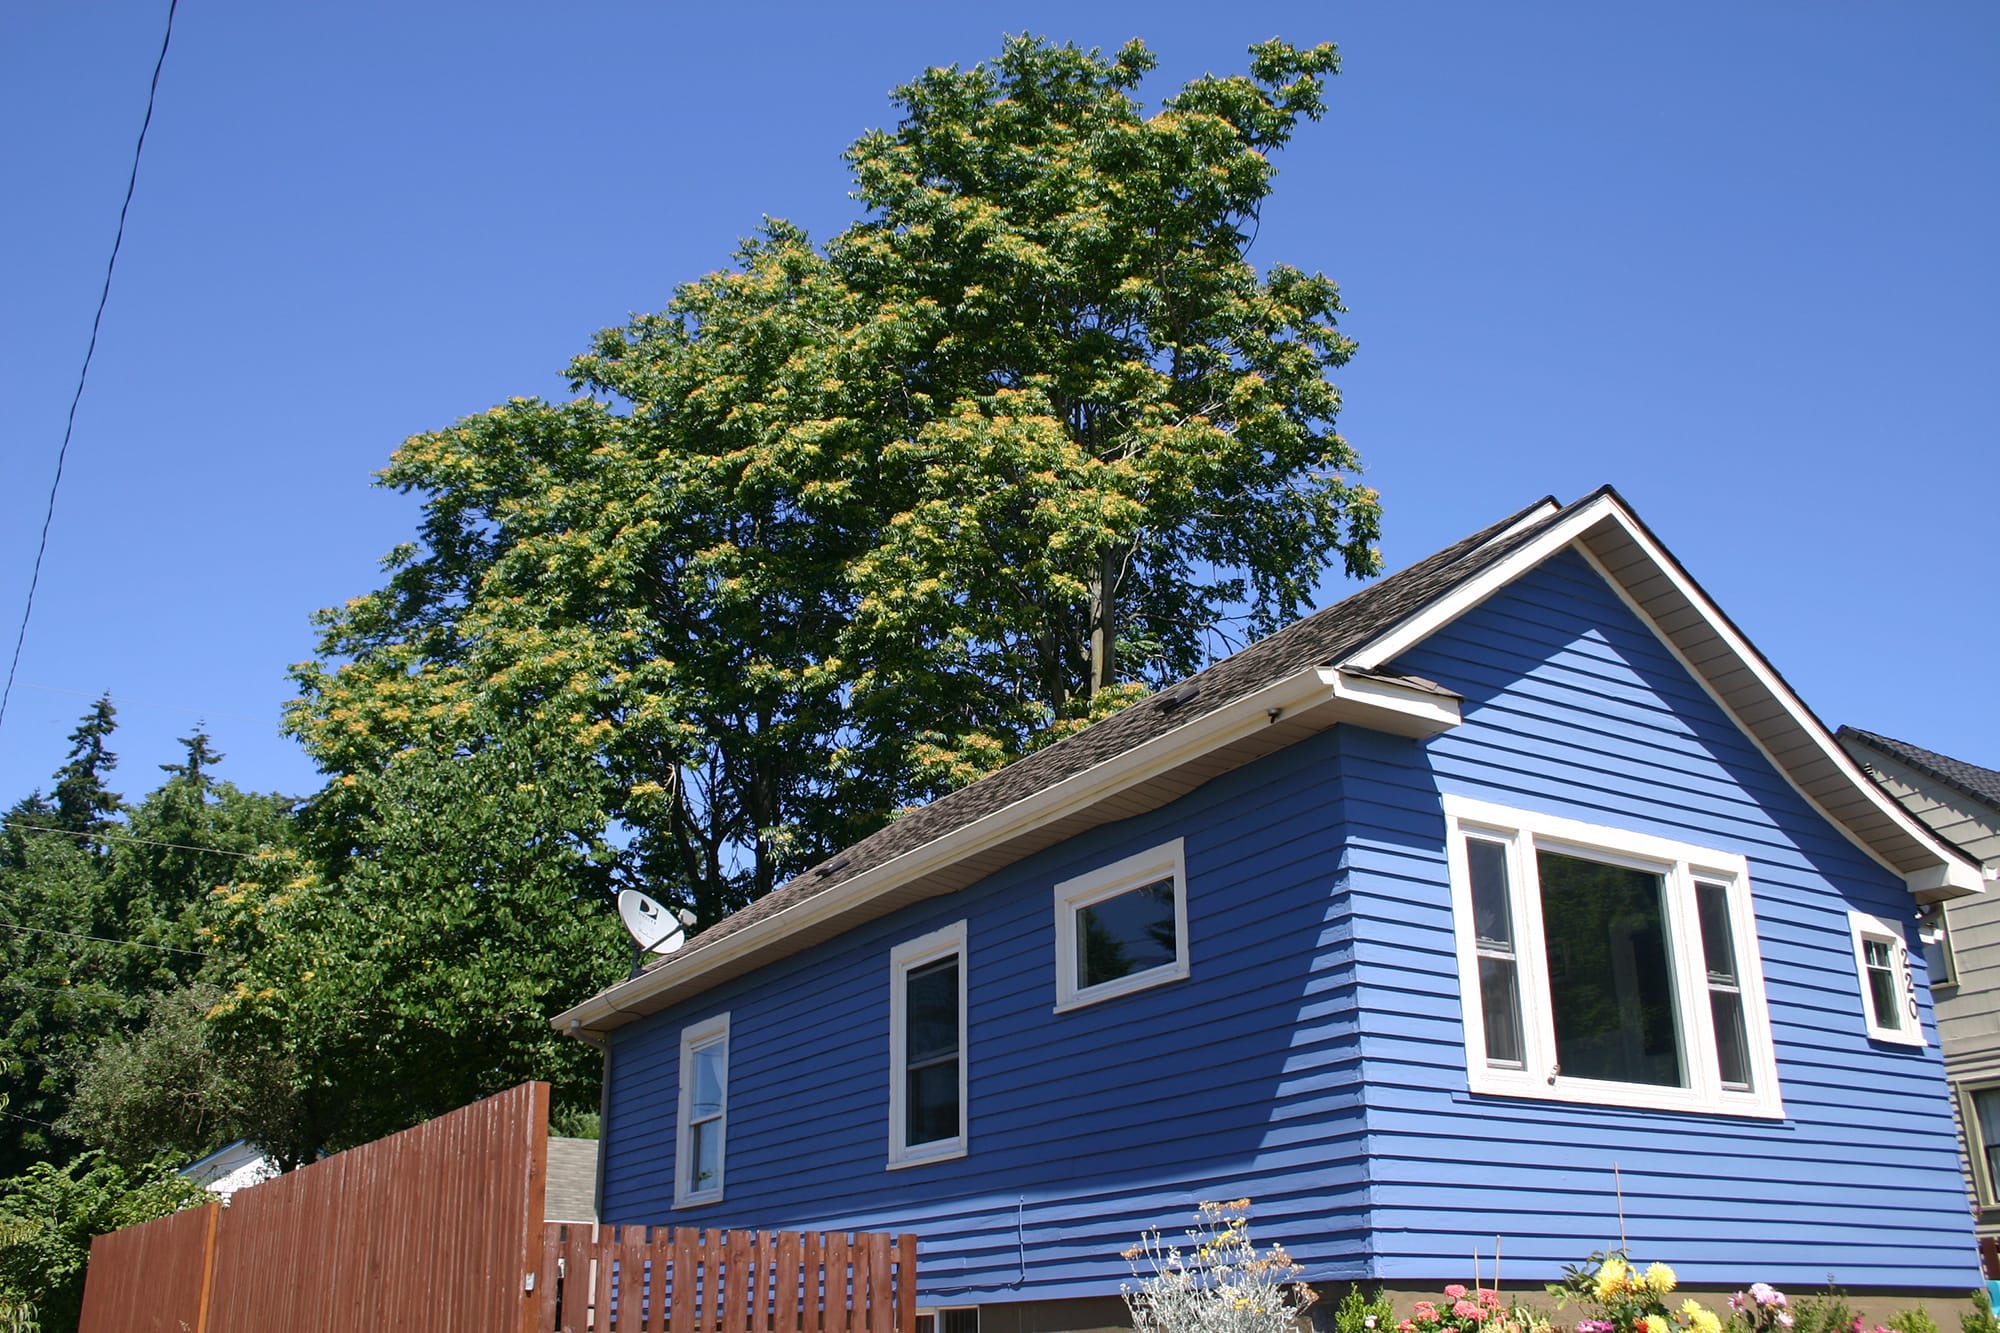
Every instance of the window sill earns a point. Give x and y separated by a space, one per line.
951 1150
698 1200
1627 1096
1111 990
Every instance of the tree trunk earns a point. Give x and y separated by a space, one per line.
1104 620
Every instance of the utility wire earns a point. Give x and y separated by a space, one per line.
97 321
106 939
127 837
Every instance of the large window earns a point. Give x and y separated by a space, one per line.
1122 928
704 1112
1888 993
1606 966
927 1048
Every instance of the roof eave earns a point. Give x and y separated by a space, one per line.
1304 703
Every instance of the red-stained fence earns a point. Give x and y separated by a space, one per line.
659 1279
152 1278
440 1228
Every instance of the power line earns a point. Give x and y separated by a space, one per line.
97 321
106 939
128 837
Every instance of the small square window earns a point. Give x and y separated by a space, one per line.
1122 928
1888 991
704 1112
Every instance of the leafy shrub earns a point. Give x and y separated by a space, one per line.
1627 1300
1979 1318
1913 1321
1222 1285
1358 1314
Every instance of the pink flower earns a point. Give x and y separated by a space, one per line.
1467 1310
1455 1291
1425 1310
1407 1326
1489 1298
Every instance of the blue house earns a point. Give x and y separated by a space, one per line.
1515 902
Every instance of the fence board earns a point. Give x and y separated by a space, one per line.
150 1278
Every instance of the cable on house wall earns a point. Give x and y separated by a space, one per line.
96 323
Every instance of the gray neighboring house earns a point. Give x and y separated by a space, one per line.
572 1181
1960 802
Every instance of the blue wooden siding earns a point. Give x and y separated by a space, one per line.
1574 708
1086 1127
1314 1060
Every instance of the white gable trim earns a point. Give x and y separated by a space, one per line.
1927 868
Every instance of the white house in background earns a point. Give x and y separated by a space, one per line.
1960 802
232 1167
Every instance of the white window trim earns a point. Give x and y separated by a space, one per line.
902 959
1156 863
1680 865
1860 928
696 1037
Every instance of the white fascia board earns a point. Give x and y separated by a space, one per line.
1075 793
1947 877
1385 703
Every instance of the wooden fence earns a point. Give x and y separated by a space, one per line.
440 1228
654 1279
152 1278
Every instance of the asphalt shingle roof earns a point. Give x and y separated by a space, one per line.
1982 784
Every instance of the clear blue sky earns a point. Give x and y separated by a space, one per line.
1738 259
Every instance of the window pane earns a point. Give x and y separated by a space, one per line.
1986 1120
1609 985
1718 949
1128 933
705 1096
1732 1044
933 1103
962 1321
932 1018
1882 985
1500 999
704 1156
1492 922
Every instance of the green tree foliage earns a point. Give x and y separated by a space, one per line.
423 974
48 1215
103 908
845 527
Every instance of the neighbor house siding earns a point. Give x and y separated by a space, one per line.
1085 1127
1574 708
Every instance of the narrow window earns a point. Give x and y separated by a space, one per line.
1725 986
1984 1139
1122 928
927 1048
1888 992
704 1112
1499 967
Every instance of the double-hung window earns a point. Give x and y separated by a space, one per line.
1605 966
1122 928
1888 993
927 1048
1979 1116
704 1112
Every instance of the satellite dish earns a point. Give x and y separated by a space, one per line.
653 928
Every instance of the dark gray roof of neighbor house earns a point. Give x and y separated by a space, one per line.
572 1181
1981 784
1320 639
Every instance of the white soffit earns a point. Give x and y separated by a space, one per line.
1653 584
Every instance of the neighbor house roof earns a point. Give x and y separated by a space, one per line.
1981 784
1330 667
